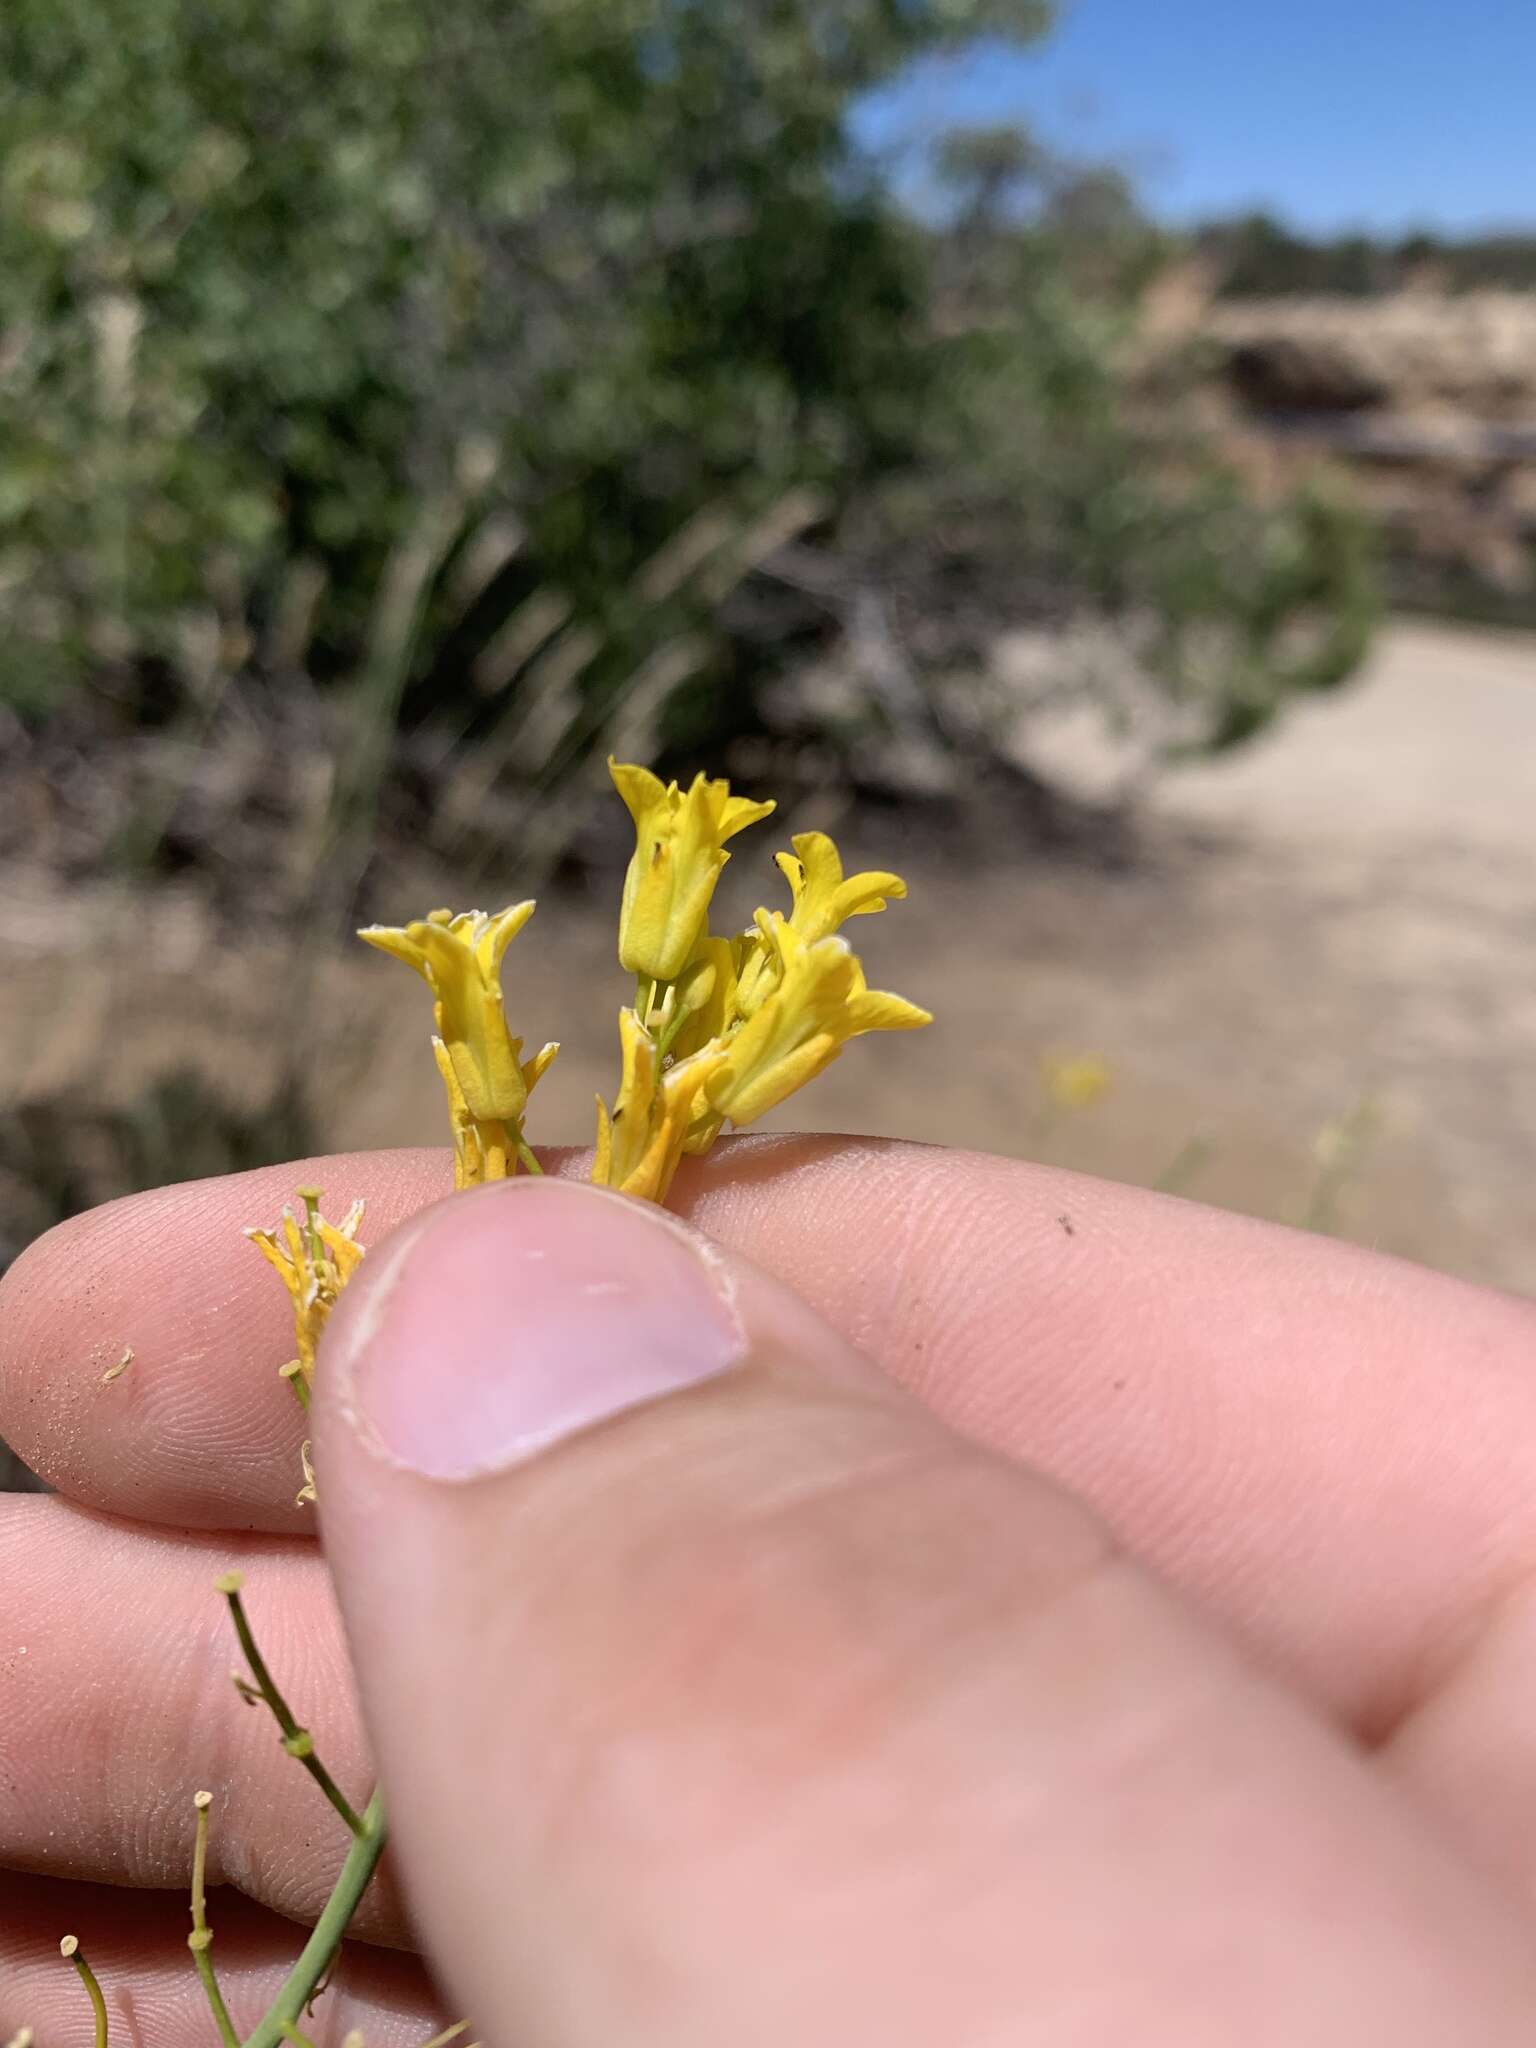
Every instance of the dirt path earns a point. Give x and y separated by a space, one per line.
1344 926
1339 924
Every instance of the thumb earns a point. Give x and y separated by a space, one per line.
720 1694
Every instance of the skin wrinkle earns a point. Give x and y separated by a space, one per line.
1450 1658
870 1330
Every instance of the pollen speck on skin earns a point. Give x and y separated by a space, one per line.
115 1372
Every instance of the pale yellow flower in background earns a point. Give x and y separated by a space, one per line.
1078 1081
640 1143
460 958
819 1003
314 1260
679 852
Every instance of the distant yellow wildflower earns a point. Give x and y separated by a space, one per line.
679 852
1078 1081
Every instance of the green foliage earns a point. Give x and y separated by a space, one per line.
1100 501
472 366
1259 257
270 273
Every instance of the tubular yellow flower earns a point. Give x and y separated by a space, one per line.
314 1260
819 1003
640 1143
460 958
679 852
704 996
471 1168
823 901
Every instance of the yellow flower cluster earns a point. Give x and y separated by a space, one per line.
721 1029
314 1260
724 1029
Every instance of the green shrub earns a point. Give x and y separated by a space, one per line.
477 366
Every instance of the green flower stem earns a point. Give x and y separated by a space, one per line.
320 1950
527 1155
297 1741
200 1940
668 1038
292 2034
69 1949
294 1375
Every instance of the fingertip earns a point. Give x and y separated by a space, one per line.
140 1343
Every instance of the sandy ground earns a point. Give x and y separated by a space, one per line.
1338 925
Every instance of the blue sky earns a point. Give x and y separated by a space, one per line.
1387 114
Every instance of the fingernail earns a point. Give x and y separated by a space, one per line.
520 1314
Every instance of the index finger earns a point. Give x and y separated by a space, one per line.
1334 1451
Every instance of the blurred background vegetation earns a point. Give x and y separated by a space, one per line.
440 390
401 406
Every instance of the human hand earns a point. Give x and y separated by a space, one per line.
777 1709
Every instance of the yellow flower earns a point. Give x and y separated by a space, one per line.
480 1151
640 1143
314 1260
679 852
819 1003
1077 1082
823 901
703 1005
459 958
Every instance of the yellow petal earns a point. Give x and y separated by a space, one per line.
535 1069
400 944
823 899
819 1003
642 791
679 854
765 1086
460 959
640 1143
